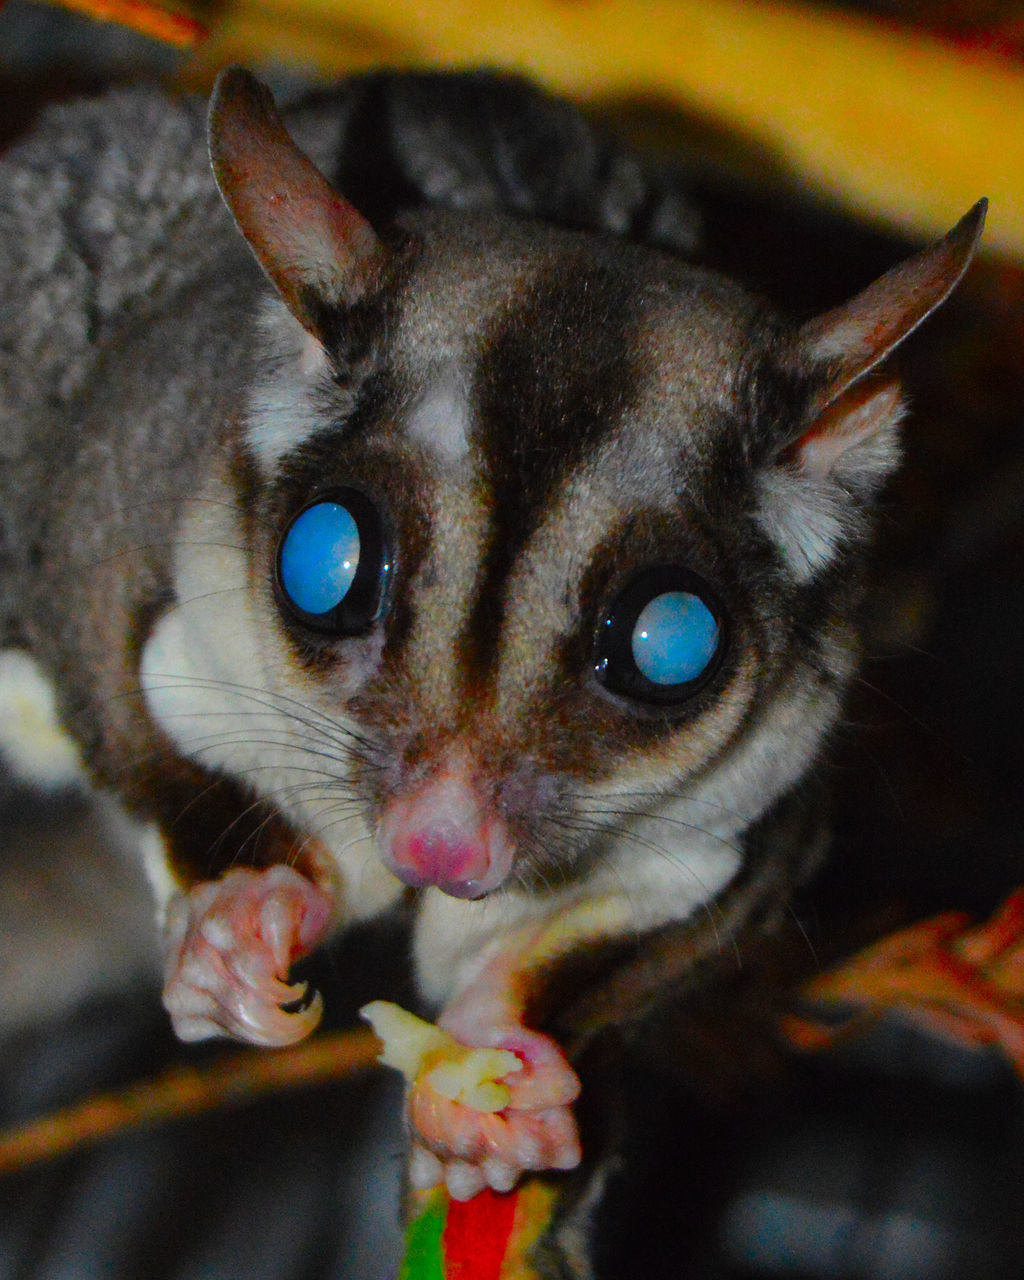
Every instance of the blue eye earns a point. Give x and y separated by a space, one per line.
332 566
674 638
662 639
319 557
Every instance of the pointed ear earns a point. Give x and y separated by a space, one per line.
853 338
842 346
316 248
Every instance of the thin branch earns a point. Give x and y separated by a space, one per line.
186 1090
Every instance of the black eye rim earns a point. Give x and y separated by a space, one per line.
615 668
367 598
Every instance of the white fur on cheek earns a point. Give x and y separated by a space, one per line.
203 685
218 680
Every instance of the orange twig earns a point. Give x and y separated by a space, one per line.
184 1091
156 21
965 983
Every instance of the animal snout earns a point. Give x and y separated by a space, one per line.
444 835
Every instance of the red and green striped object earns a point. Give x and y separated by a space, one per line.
489 1237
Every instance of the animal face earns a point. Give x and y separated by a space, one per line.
540 457
552 543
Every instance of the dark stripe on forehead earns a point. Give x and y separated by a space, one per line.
555 374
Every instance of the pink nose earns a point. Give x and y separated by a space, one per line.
441 836
441 855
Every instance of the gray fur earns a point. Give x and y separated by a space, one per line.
609 410
106 215
593 375
541 416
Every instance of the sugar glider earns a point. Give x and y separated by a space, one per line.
472 552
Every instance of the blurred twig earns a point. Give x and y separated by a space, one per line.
964 983
158 21
184 1091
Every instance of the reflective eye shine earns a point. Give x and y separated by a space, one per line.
334 565
319 558
662 639
674 639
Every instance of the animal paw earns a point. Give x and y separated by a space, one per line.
484 1114
469 1149
229 945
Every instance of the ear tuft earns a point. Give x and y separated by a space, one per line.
318 251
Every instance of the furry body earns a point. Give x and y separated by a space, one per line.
543 421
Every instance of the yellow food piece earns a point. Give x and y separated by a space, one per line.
426 1054
407 1040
